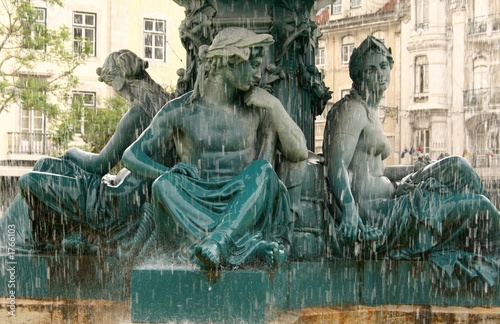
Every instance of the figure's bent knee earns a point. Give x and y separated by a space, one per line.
163 184
459 162
55 166
484 202
265 167
263 164
25 181
41 164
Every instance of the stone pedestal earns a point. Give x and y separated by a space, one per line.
175 294
162 294
299 292
41 276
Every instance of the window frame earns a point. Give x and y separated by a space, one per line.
320 58
154 33
419 135
84 27
32 124
79 93
336 8
480 73
421 14
346 49
355 3
42 23
421 75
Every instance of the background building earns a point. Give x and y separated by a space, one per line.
451 103
345 24
444 95
148 28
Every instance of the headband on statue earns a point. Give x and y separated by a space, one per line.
229 42
234 41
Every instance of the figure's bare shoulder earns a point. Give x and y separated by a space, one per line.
347 116
175 108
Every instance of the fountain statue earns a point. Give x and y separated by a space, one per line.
440 213
223 202
97 209
219 182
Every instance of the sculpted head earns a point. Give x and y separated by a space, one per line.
236 53
370 52
121 66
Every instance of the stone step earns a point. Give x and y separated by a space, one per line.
47 311
389 314
55 310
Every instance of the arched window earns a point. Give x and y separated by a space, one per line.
480 73
347 48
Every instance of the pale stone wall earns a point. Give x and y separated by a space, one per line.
445 39
119 25
359 23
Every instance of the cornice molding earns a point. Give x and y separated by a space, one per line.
418 44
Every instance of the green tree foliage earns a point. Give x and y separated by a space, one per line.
28 45
100 123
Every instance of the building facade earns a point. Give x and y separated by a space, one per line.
451 104
444 94
344 25
148 28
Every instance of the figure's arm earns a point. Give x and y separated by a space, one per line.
342 138
138 157
290 136
128 129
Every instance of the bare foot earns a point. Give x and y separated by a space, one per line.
273 253
208 253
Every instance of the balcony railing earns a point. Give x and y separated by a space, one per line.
422 25
486 161
28 143
481 98
477 25
481 24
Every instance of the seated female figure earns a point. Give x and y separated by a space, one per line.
440 213
68 196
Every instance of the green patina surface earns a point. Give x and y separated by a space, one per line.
234 187
64 277
171 293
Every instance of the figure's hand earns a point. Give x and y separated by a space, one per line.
73 154
371 233
350 223
404 188
259 98
352 226
186 169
